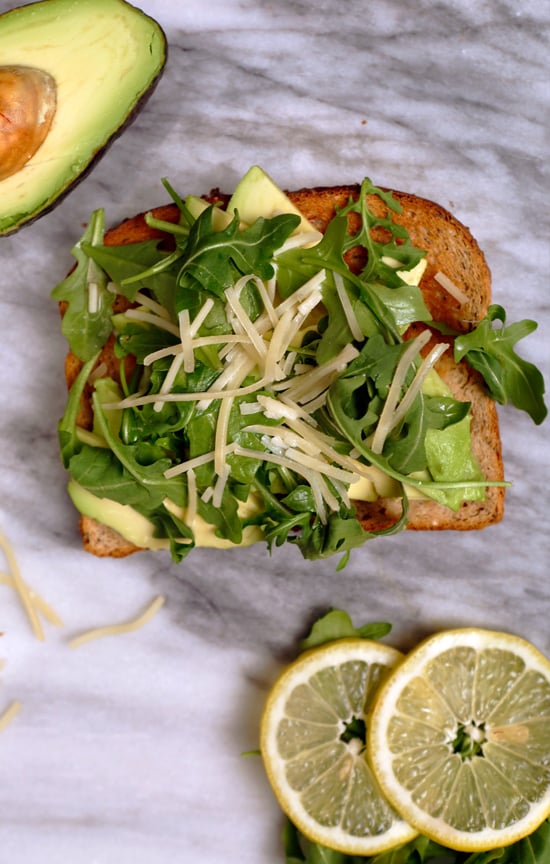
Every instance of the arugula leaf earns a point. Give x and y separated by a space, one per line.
168 525
86 329
132 268
509 378
404 302
138 339
337 624
340 533
299 850
225 517
67 432
395 245
216 259
119 473
407 451
298 265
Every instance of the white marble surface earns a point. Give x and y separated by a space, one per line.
128 751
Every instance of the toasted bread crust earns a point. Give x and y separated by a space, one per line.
452 250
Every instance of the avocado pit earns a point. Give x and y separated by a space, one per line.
28 100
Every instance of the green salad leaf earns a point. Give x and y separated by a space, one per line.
534 849
337 624
126 266
87 320
509 378
217 259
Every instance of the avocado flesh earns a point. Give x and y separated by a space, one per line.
105 57
257 195
140 531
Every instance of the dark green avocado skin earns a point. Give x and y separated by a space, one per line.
120 103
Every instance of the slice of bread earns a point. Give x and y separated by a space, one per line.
451 250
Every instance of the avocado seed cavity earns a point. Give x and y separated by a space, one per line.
27 107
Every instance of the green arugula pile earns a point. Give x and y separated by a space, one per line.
534 849
132 448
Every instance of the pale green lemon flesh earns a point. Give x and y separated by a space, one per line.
313 733
462 740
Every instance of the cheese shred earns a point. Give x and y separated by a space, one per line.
386 421
21 587
118 629
451 288
9 714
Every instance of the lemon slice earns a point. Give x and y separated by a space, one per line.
313 746
460 738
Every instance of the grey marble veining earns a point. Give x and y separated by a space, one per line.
129 750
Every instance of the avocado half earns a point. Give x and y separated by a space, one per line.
105 58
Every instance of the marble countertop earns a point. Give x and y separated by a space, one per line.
129 750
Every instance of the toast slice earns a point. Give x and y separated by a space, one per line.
452 250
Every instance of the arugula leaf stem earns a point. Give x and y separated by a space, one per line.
168 227
67 428
176 198
405 479
161 265
283 529
118 449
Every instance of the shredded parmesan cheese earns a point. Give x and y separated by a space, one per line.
186 343
347 308
148 318
451 288
413 391
93 279
151 304
184 352
385 421
39 603
198 342
191 498
319 488
250 327
93 298
304 388
312 286
170 377
9 714
222 428
219 487
302 239
195 463
21 587
117 629
206 395
207 494
249 407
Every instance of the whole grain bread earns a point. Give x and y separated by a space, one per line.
452 250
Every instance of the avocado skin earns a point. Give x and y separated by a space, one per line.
12 222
